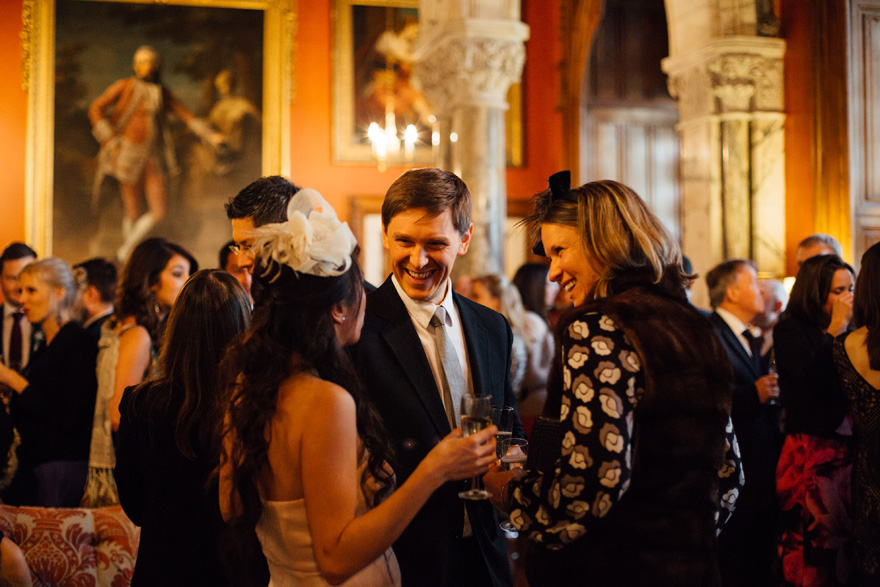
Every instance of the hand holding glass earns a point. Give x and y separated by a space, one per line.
476 414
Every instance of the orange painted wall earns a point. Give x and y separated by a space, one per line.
13 125
799 128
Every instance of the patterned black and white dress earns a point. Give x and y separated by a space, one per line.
603 380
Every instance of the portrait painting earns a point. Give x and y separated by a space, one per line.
374 87
158 119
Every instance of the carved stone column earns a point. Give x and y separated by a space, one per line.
468 54
730 102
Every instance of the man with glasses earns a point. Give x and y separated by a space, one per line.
263 201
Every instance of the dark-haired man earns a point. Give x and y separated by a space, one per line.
18 335
422 347
263 201
97 292
747 545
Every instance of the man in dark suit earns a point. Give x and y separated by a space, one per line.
403 366
18 335
97 279
747 545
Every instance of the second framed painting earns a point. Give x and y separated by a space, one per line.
374 86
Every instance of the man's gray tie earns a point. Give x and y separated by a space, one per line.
454 385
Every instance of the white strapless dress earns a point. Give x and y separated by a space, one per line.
283 531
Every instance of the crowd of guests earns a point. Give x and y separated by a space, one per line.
279 418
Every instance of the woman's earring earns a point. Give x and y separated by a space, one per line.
343 318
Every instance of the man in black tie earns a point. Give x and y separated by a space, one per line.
747 545
421 348
17 339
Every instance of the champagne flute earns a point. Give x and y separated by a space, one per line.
503 419
514 453
476 415
772 370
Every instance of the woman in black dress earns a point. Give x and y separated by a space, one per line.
813 474
857 357
53 399
168 438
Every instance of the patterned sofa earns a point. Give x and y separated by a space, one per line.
75 547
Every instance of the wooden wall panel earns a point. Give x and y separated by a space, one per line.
864 91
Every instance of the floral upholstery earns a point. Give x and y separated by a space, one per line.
75 547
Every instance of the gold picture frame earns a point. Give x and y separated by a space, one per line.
365 73
39 80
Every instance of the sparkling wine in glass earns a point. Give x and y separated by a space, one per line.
476 415
514 453
503 419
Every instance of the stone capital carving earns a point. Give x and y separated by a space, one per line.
728 76
470 71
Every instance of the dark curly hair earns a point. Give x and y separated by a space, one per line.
293 319
141 272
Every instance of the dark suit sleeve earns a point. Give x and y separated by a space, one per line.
811 394
746 403
129 481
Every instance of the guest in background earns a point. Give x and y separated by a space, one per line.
857 358
817 244
53 400
814 470
151 279
229 263
495 292
637 362
169 438
775 300
532 393
97 280
747 546
262 201
537 292
18 333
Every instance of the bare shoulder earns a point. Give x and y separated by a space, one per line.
134 335
314 396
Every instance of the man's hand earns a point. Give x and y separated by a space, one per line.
768 388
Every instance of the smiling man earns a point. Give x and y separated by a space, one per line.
422 347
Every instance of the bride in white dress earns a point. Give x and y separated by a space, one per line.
306 463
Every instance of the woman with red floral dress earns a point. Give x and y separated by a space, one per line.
813 474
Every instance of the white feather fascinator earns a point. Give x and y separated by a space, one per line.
312 241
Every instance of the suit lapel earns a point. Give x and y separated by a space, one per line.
477 341
401 337
733 342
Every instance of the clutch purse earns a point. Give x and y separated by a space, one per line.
545 444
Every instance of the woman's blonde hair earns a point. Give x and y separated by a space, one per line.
56 274
623 240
